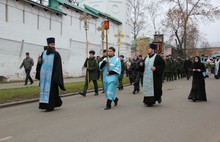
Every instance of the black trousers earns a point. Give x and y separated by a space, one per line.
188 73
28 77
87 84
141 78
120 83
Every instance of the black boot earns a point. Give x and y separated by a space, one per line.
116 101
108 105
160 100
96 94
83 93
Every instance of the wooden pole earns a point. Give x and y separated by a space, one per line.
87 50
85 18
103 36
118 50
107 48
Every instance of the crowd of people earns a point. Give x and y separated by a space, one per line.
145 73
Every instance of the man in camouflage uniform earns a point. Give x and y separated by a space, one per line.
91 73
166 70
171 68
175 68
180 68
121 76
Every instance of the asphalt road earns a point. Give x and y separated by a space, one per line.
85 120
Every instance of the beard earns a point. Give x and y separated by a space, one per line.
50 50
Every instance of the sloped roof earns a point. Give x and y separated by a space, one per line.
97 12
78 8
57 11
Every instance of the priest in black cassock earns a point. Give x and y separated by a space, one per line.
153 71
49 70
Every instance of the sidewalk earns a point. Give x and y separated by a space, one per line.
36 83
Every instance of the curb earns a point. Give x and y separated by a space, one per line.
36 99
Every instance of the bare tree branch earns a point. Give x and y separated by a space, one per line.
137 17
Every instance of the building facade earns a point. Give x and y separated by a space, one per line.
120 9
25 25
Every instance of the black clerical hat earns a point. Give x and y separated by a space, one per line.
50 40
153 46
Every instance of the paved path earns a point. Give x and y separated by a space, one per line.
36 83
84 120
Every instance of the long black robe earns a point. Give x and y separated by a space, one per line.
135 74
198 91
57 80
157 75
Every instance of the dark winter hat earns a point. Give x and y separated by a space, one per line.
50 40
92 52
153 46
122 56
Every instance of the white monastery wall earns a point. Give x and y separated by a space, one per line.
25 28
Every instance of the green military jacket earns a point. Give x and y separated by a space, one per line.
92 69
175 65
167 63
122 70
180 64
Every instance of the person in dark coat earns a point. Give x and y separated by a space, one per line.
198 83
104 55
141 69
91 73
217 67
50 76
153 73
187 66
135 65
121 76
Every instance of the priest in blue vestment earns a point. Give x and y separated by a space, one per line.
50 74
153 72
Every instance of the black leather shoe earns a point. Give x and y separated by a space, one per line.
149 105
160 100
96 94
108 105
116 101
83 94
107 108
